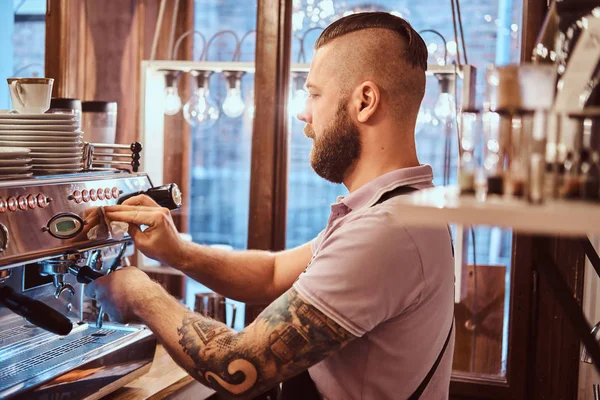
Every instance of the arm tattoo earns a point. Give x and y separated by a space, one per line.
287 338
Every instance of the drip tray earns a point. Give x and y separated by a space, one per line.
30 355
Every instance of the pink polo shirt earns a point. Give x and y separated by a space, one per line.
389 284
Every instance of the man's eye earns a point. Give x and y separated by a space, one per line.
312 96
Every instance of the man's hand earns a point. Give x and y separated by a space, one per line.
160 240
121 292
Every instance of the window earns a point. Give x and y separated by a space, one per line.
492 35
22 40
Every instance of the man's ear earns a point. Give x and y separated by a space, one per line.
365 100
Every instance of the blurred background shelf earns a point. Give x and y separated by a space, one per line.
444 205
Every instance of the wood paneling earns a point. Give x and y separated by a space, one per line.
65 43
556 343
268 179
268 182
479 321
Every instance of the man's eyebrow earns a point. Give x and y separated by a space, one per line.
310 85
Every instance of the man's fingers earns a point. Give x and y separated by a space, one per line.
137 216
135 232
140 200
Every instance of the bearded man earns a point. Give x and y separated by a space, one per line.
366 307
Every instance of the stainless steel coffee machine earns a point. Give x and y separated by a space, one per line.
52 339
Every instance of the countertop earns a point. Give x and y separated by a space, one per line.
165 380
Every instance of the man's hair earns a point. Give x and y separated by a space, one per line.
416 50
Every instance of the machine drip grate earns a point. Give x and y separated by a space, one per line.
13 332
24 365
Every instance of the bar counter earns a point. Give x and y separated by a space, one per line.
165 380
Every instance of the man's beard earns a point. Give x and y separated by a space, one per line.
336 148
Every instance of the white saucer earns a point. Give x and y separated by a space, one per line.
15 162
67 165
42 133
76 142
67 128
13 151
35 139
9 114
16 176
39 122
15 170
57 170
70 155
57 160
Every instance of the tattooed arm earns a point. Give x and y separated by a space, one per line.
286 338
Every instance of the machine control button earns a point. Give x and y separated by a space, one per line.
31 201
100 194
12 203
76 196
93 196
115 193
85 195
4 238
42 200
22 200
107 194
2 205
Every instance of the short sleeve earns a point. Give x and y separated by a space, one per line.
365 272
314 244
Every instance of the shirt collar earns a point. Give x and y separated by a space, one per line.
369 193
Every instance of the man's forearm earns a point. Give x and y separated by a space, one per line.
240 275
208 350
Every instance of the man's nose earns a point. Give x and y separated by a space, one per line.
304 116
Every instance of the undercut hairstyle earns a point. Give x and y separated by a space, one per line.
416 50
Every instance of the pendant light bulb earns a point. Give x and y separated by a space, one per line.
200 110
445 105
172 101
233 106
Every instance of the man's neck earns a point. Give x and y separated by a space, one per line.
367 169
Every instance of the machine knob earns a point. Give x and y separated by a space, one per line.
168 196
4 237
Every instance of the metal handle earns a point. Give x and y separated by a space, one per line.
168 196
233 314
35 311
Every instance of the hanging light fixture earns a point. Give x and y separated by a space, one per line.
172 101
298 98
200 110
445 105
233 106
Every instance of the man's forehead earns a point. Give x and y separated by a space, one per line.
318 67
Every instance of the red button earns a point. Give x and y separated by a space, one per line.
93 196
22 202
100 193
2 205
77 196
31 201
42 200
115 193
85 195
12 203
107 194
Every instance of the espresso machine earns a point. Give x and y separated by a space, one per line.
54 340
